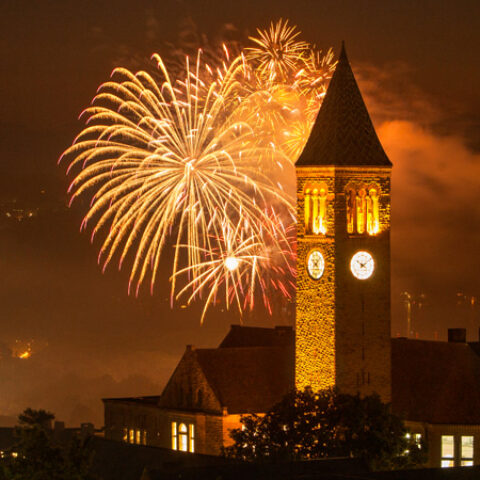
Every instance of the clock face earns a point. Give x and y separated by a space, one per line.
315 264
362 265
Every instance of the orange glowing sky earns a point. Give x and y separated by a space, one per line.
417 66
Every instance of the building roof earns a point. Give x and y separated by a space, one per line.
343 134
248 379
240 336
436 382
429 379
148 400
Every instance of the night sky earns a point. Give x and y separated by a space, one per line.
417 65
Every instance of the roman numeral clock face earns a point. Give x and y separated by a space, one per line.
362 265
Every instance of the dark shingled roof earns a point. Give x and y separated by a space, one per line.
436 382
240 336
343 133
248 379
148 400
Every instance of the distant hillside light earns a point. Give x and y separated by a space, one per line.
231 263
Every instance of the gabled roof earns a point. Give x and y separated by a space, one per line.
248 379
343 133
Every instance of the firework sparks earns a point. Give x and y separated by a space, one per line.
277 51
243 262
184 163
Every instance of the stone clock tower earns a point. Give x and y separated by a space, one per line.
343 233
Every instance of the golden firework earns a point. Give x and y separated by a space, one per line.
202 166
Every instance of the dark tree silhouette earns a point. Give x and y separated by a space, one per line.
307 425
36 456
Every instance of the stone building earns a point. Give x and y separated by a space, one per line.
342 331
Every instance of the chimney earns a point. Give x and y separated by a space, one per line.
457 335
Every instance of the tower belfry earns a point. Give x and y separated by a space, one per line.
343 256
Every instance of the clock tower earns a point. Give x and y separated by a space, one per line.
343 242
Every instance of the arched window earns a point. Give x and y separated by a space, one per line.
183 438
363 210
350 211
315 210
373 222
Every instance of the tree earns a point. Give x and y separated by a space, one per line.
36 456
306 425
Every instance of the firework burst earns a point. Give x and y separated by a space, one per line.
199 165
165 160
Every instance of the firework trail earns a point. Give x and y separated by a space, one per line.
177 162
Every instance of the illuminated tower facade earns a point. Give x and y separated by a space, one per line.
343 233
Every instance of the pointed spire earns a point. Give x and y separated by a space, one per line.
343 133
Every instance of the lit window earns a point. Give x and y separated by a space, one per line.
418 440
174 436
125 435
138 435
373 224
467 451
363 210
183 438
131 435
144 437
448 451
316 210
350 211
191 437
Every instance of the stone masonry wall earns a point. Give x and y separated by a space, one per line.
342 323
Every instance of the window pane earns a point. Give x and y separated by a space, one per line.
467 463
447 446
467 447
183 442
131 436
174 436
182 428
191 432
447 463
138 437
